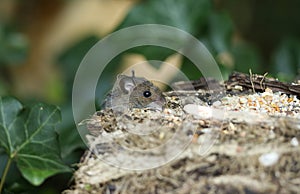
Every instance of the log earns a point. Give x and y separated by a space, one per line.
230 150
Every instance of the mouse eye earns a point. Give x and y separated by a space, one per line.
147 94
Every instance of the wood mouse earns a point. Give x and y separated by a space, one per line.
134 92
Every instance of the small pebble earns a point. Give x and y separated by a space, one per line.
269 159
243 100
272 135
238 87
294 142
277 104
198 111
217 103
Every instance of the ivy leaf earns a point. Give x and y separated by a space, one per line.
246 57
190 16
286 57
13 46
28 137
220 29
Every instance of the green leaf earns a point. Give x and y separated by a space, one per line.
13 46
246 57
190 16
286 57
28 136
3 88
69 137
70 59
9 109
220 28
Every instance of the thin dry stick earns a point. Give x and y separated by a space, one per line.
251 77
166 179
124 187
261 82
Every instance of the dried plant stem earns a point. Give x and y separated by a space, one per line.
251 80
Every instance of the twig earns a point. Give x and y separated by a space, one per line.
251 77
261 82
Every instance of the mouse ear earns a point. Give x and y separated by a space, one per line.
126 83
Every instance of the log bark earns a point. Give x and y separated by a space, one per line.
230 151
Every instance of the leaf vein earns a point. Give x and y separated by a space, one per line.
4 127
36 131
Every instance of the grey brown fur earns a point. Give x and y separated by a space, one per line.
134 92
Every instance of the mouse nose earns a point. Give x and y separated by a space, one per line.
156 105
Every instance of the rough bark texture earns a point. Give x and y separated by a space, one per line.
260 83
230 152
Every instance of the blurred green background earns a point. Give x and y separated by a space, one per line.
42 42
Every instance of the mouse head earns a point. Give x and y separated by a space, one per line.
142 93
128 83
